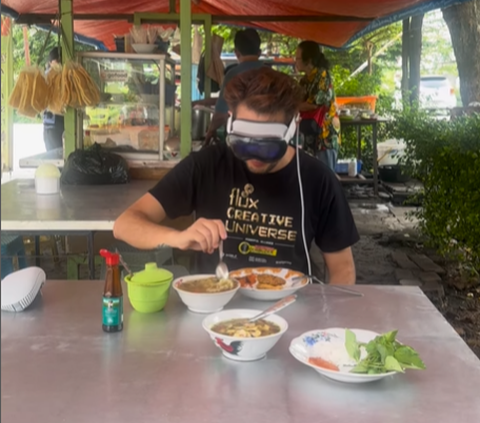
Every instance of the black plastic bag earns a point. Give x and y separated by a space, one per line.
95 166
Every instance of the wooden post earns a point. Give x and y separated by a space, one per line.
68 53
7 86
186 77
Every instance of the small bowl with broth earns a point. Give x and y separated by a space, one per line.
241 340
205 293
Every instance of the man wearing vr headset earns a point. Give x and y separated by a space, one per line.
247 193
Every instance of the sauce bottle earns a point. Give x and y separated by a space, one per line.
112 310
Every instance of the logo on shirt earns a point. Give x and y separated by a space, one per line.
246 219
246 248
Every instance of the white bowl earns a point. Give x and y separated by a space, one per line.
243 349
203 302
311 343
292 285
144 48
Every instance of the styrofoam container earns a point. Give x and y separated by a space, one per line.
389 152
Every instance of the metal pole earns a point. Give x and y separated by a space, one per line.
7 86
68 51
186 77
208 59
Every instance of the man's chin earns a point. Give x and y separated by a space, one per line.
256 166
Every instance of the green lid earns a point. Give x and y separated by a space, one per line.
152 274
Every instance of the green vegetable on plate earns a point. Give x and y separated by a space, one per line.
384 354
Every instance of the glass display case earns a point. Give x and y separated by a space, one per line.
136 116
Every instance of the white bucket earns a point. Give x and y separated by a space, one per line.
352 168
47 186
47 180
389 152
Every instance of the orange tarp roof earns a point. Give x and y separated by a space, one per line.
334 34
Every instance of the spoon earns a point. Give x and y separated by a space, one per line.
221 272
338 288
122 261
279 305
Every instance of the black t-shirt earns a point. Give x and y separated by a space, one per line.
261 212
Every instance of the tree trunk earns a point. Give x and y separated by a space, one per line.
463 21
415 57
411 57
405 59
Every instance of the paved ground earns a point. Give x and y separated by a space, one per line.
379 226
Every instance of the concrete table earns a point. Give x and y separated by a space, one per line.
58 365
77 210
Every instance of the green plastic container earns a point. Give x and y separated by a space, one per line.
148 290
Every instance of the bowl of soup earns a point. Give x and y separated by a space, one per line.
205 293
241 340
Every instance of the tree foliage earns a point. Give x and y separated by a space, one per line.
38 40
445 157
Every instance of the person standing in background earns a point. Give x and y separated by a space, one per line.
320 126
247 49
53 125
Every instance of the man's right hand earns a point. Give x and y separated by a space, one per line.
204 235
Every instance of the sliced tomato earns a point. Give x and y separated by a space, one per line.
320 362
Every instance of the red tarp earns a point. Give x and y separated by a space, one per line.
334 34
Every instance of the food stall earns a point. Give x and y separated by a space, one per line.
137 116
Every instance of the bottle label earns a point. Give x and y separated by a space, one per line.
112 311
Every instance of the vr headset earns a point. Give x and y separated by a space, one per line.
265 142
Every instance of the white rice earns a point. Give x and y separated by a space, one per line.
333 352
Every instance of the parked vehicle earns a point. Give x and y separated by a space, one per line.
436 92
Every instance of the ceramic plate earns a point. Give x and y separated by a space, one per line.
329 344
249 285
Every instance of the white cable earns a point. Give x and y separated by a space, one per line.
302 204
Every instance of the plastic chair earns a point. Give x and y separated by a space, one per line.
13 249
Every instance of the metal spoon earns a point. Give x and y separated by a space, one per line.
124 264
284 302
337 287
221 272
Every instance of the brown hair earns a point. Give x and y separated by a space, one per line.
265 91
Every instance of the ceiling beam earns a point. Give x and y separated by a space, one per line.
30 19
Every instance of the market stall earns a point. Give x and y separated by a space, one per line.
333 24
